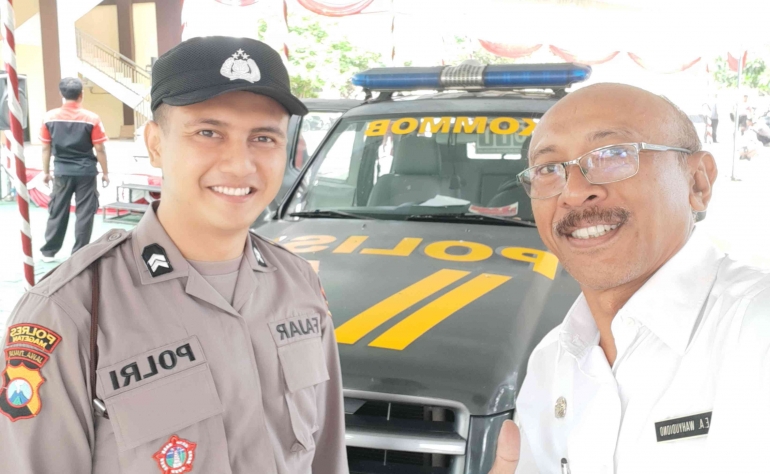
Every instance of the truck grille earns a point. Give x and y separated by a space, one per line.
388 433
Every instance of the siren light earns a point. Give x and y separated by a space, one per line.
471 75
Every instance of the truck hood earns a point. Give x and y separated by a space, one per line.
420 312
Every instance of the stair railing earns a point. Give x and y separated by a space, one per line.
119 68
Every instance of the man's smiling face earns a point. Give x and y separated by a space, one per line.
223 159
611 234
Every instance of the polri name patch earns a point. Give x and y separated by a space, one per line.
685 427
34 335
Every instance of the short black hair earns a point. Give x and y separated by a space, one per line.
160 115
70 88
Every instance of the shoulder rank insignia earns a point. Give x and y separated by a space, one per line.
176 456
20 394
155 258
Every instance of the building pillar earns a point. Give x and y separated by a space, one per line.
168 14
126 44
49 33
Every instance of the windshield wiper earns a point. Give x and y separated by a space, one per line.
471 218
321 214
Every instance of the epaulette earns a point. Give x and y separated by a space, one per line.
79 261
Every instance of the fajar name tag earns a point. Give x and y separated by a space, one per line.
685 427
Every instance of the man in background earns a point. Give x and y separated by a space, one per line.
72 133
714 119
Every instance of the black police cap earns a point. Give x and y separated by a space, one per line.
201 68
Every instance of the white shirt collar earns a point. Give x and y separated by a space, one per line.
668 304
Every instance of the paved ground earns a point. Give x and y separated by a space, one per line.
738 222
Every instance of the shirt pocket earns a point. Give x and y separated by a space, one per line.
304 367
171 423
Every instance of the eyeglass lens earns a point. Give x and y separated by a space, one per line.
605 165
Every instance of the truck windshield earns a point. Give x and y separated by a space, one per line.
398 167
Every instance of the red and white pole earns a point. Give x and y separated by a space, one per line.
16 138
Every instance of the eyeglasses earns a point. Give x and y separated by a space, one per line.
608 164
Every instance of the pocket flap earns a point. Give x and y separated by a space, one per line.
159 408
303 363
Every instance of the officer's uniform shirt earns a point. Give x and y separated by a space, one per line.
192 383
693 343
222 276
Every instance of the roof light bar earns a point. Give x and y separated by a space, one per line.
470 76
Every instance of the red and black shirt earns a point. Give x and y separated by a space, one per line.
72 132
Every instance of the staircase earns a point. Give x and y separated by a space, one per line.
116 74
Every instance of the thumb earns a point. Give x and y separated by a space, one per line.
508 449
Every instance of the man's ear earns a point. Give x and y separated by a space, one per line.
702 169
152 140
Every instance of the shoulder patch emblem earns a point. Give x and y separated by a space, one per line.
32 334
20 393
176 456
155 258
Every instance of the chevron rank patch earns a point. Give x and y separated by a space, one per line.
20 392
155 258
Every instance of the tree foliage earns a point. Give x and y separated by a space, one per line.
321 61
756 75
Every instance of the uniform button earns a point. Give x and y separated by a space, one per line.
630 322
114 236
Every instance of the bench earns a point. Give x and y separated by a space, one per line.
125 209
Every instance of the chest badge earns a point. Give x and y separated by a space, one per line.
176 456
560 410
155 258
685 427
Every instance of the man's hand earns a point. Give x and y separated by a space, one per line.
105 180
47 177
508 448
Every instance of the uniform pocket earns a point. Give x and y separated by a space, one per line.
170 423
304 367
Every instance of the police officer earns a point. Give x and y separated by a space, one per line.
213 348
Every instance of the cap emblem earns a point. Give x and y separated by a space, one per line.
240 66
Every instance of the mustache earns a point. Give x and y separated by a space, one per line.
591 215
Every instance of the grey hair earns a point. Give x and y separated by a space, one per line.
685 132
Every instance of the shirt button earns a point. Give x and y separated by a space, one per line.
114 236
630 322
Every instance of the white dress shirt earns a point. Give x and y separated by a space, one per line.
694 342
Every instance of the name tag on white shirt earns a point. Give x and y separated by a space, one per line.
685 427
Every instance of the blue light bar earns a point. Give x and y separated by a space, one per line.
400 78
469 76
545 75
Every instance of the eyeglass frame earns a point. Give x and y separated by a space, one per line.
640 147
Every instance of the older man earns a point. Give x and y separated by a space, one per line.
663 362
